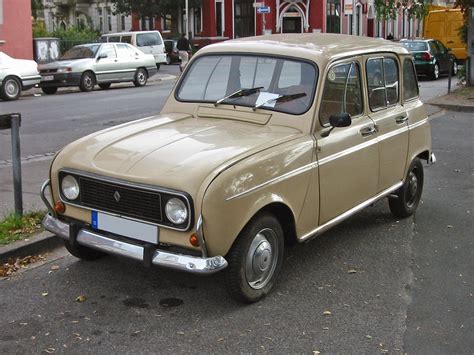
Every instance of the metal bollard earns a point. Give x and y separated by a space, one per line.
13 121
451 63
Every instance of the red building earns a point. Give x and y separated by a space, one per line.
16 37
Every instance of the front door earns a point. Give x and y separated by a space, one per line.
348 157
106 68
390 117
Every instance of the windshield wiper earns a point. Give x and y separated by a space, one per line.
239 93
282 98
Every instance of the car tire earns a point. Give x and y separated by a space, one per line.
408 196
105 86
82 252
87 81
168 60
11 88
255 259
50 90
141 77
454 69
435 72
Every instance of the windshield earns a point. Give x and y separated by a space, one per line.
211 78
415 46
80 52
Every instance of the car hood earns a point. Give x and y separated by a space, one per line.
65 63
175 151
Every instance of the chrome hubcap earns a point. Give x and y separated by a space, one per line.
88 81
141 77
412 189
261 259
436 71
11 88
455 68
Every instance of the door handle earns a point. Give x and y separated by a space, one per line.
368 131
401 119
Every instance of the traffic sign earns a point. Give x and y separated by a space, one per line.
263 10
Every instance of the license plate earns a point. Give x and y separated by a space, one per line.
47 78
125 227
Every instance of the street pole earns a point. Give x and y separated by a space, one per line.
187 19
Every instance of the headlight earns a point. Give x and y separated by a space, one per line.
70 187
176 211
64 70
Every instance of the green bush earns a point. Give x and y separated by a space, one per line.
67 38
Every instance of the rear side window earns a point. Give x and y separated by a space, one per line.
382 82
126 39
148 39
342 92
123 51
410 84
114 38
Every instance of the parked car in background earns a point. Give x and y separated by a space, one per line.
432 58
16 75
172 52
97 63
248 153
149 42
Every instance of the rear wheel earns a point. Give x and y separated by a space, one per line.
435 72
141 77
105 86
50 90
409 195
255 259
87 81
82 252
11 88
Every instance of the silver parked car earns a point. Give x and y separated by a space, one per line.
16 75
97 63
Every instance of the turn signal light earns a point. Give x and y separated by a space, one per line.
59 207
193 239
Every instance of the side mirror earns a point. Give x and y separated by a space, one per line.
342 119
102 56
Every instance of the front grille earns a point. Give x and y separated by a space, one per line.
47 71
132 201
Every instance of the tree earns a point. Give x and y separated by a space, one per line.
36 6
464 6
153 8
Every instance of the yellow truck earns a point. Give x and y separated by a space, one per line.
443 25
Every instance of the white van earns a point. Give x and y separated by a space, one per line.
149 42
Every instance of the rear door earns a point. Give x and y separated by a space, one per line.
348 157
390 117
127 62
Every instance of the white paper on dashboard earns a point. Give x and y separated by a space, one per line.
264 97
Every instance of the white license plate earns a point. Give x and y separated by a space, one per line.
47 78
125 227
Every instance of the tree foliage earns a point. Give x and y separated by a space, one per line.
388 9
464 6
152 8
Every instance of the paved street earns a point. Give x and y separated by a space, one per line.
412 292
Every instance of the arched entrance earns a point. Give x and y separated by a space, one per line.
292 20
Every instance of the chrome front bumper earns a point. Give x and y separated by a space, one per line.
95 240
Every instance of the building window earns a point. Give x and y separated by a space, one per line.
350 25
1 12
122 22
358 19
101 20
109 20
244 18
166 23
333 16
219 18
197 12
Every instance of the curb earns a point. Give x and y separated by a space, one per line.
35 244
453 107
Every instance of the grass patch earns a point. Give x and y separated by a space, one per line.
13 227
466 93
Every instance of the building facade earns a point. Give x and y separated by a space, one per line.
16 38
96 14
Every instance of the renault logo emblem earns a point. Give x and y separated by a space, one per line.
117 196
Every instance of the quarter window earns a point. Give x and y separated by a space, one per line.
410 84
382 82
342 92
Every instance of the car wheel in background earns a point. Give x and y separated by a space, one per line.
454 70
87 81
11 88
408 196
49 90
255 259
157 66
168 60
105 86
435 72
141 77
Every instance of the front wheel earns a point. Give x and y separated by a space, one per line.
141 77
10 89
87 81
82 252
255 259
408 196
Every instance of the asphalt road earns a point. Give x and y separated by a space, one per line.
412 290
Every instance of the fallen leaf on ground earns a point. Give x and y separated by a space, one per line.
44 294
352 271
368 336
55 267
81 298
327 313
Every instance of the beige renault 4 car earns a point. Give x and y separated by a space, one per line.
263 141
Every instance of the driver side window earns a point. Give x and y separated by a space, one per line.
342 92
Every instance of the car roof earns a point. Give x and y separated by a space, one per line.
308 45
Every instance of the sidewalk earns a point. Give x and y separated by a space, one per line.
460 100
